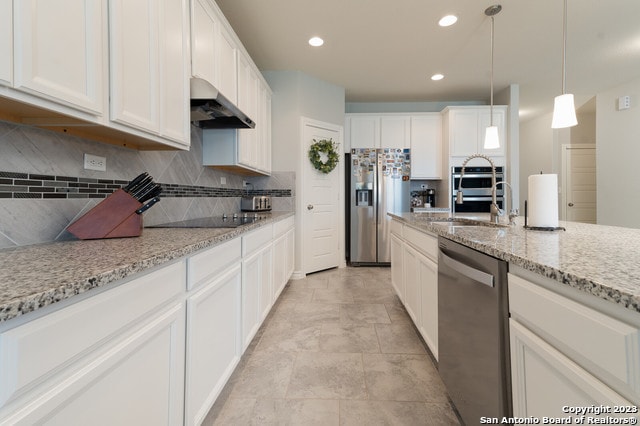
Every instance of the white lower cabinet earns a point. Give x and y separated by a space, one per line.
155 349
397 279
213 341
567 352
111 359
414 276
256 281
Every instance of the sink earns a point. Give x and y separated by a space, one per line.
456 223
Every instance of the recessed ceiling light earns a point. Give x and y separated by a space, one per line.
448 20
316 41
437 77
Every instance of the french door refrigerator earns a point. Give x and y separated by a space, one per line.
379 184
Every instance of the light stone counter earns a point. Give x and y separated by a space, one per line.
32 277
600 260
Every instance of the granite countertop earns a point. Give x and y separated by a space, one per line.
32 277
600 260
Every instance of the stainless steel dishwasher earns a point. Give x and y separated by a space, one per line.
473 331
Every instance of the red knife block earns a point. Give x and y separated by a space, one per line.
113 217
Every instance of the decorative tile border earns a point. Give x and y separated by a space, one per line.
37 186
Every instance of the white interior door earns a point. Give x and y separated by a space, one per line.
579 183
321 203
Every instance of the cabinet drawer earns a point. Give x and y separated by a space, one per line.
46 345
256 239
425 243
279 228
212 261
606 347
396 228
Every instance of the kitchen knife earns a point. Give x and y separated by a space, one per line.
137 187
148 205
153 192
135 181
142 189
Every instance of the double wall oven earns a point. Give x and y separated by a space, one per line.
476 186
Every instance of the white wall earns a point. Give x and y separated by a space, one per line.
617 155
297 95
536 151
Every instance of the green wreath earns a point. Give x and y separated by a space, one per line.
327 147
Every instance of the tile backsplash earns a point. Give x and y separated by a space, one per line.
44 187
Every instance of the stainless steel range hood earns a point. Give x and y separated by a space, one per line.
211 110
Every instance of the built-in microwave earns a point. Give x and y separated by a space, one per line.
476 186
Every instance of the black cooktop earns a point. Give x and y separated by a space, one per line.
211 222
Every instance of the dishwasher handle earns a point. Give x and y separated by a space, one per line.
468 271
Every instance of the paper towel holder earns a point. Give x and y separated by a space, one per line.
539 228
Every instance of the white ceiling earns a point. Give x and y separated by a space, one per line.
386 50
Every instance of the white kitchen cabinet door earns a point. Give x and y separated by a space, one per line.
149 64
204 39
248 103
213 341
59 51
411 278
228 68
463 132
544 380
135 74
291 254
428 323
364 131
426 146
397 276
125 384
174 72
467 126
263 126
266 282
6 42
251 293
279 266
395 131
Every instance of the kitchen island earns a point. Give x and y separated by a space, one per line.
116 328
573 299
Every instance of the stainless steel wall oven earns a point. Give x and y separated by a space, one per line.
476 185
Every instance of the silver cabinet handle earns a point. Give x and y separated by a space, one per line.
468 271
310 207
570 204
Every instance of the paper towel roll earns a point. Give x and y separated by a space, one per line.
543 200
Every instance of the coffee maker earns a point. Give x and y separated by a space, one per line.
430 198
426 198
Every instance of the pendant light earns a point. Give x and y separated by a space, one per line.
564 110
491 139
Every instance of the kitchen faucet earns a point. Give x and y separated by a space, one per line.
494 210
513 213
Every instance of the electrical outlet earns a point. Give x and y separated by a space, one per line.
244 183
223 180
94 162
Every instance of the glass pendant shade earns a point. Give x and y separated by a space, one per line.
564 112
491 139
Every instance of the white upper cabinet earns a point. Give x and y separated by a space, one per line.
59 50
364 131
395 131
175 120
148 54
6 42
467 127
426 146
228 74
248 103
205 28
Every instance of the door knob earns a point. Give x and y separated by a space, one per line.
570 204
310 207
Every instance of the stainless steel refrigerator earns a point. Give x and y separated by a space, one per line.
379 184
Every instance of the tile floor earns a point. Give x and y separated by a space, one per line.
338 348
